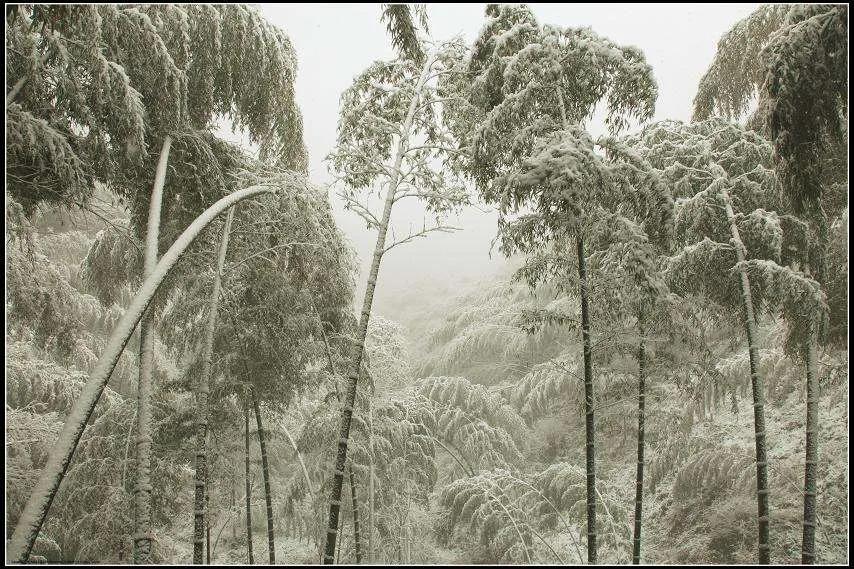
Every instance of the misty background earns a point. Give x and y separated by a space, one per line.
335 42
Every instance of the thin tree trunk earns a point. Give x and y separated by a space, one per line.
355 505
371 556
356 365
757 388
234 503
299 457
818 268
142 490
636 548
271 542
38 504
590 456
340 541
208 533
811 464
202 392
248 487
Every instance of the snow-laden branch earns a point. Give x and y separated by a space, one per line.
36 509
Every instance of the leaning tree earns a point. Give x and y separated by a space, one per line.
143 75
390 135
528 88
286 256
38 504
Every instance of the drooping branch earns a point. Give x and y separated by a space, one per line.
38 505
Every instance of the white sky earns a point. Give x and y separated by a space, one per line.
334 42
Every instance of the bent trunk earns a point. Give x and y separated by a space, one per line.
142 490
636 548
811 464
590 457
202 400
356 364
38 505
271 542
757 387
299 457
248 488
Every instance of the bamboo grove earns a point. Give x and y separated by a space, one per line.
657 373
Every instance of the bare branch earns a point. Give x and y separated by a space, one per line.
423 233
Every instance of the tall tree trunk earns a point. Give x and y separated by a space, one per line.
817 219
589 426
340 541
636 548
38 504
234 504
757 388
142 490
355 505
248 487
271 542
356 364
811 464
371 556
208 532
202 392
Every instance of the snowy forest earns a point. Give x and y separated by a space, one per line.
202 368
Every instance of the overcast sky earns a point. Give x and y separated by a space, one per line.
334 42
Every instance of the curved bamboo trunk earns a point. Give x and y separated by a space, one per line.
589 426
142 489
811 464
202 392
355 504
299 457
248 487
37 506
265 470
356 364
758 390
636 547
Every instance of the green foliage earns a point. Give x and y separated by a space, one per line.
113 262
737 72
41 300
121 77
478 506
713 472
515 62
837 283
373 132
286 260
403 30
485 429
388 354
805 89
495 333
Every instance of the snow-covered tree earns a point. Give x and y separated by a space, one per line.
529 88
38 504
391 137
734 246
